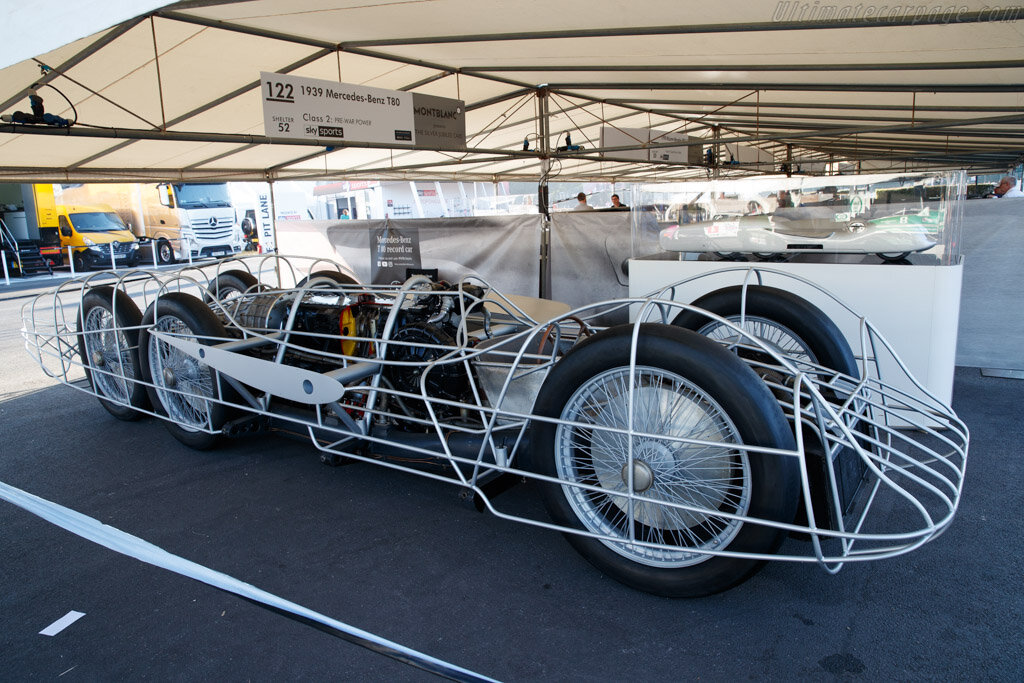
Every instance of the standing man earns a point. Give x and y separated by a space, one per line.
617 205
582 205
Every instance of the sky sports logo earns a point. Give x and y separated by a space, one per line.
795 11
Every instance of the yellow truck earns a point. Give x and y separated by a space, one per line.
29 241
97 237
184 220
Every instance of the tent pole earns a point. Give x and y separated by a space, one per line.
717 136
544 147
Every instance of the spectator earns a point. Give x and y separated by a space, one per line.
617 205
582 205
1007 187
344 215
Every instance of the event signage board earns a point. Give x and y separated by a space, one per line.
615 136
439 122
310 108
266 223
395 251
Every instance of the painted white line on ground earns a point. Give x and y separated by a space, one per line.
93 530
62 623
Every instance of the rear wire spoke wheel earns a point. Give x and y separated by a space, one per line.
184 389
682 387
794 327
773 334
783 321
229 287
326 279
108 343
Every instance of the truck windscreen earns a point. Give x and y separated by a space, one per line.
96 222
202 196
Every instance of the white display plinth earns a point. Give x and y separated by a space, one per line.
915 307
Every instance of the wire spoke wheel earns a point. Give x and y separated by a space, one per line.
108 343
774 334
783 321
651 473
711 478
183 384
184 389
108 352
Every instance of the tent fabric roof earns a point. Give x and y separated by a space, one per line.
174 94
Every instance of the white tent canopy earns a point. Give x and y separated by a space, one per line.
174 94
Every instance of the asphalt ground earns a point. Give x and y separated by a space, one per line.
402 557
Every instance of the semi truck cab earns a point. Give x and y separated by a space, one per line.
196 219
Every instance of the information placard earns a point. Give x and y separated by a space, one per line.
310 108
297 107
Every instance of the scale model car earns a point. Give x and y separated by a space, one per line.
677 453
801 230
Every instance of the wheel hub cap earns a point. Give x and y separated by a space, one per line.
169 377
97 358
643 477
649 457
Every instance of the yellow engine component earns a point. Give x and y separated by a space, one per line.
347 326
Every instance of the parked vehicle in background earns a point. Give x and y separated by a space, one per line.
186 220
710 205
94 232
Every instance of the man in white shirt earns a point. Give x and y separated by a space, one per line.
1007 187
582 206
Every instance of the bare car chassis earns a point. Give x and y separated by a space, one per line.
677 453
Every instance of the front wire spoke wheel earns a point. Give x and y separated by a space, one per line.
652 476
712 479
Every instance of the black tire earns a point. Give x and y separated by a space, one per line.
232 284
333 275
730 255
186 416
789 323
894 257
687 372
801 330
108 343
164 252
79 262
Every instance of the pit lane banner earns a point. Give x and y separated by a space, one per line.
312 109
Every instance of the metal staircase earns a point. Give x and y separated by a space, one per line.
23 257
